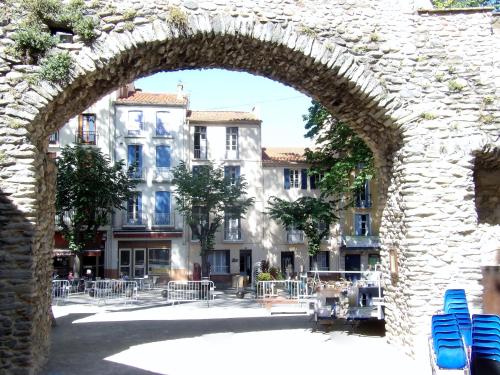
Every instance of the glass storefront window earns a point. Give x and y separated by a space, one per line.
159 261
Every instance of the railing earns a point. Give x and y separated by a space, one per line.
164 219
163 173
113 290
361 241
288 289
198 154
132 219
363 203
190 291
60 291
233 234
86 138
134 132
137 174
295 236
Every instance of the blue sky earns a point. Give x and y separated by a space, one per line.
281 107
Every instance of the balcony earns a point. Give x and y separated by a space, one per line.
200 154
134 132
232 234
360 241
138 174
232 154
363 203
164 219
136 219
163 174
295 236
86 138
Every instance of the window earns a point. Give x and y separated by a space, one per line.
362 224
363 198
54 138
200 142
373 261
162 161
314 181
219 261
159 261
134 209
291 178
232 173
303 179
135 123
231 143
87 133
320 261
135 161
200 216
161 124
294 235
232 227
162 208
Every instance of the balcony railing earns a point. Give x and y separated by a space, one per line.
86 138
361 241
134 132
137 174
295 236
233 234
163 174
232 154
200 154
134 219
363 203
164 219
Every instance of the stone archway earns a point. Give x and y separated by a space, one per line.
374 77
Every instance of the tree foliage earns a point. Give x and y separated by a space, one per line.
339 152
441 4
203 196
311 215
88 190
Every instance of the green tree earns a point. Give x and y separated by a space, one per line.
462 3
204 195
309 214
341 158
88 190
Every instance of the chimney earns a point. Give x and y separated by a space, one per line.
180 90
256 112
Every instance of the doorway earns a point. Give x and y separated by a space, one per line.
246 264
132 263
287 263
353 263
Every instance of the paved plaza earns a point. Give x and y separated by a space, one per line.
230 337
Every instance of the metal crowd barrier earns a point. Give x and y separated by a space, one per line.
60 291
289 289
113 290
190 291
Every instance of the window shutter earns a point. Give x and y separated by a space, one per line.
303 179
139 157
131 154
287 179
327 255
226 172
163 156
237 173
312 182
357 224
368 226
139 201
228 261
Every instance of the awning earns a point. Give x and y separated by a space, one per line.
92 253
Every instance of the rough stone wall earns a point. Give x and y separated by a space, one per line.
412 84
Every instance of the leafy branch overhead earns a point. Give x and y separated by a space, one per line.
309 214
341 158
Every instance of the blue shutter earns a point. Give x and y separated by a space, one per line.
237 173
312 182
226 172
162 202
139 157
163 156
131 154
139 201
357 224
287 179
303 179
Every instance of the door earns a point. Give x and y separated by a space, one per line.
287 263
353 263
125 262
139 263
246 264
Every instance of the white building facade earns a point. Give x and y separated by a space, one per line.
153 133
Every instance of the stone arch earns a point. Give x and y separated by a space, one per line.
328 66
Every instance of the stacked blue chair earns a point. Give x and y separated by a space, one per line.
447 343
455 302
485 349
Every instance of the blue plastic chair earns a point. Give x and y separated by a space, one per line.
454 292
486 318
451 357
443 317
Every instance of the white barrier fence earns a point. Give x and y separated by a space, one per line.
189 291
104 291
61 290
288 289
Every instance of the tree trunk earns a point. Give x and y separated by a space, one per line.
205 266
77 265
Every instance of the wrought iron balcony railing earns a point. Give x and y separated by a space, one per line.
137 174
164 219
86 138
295 236
134 219
363 203
200 154
163 174
233 234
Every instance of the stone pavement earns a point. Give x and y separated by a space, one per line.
229 337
